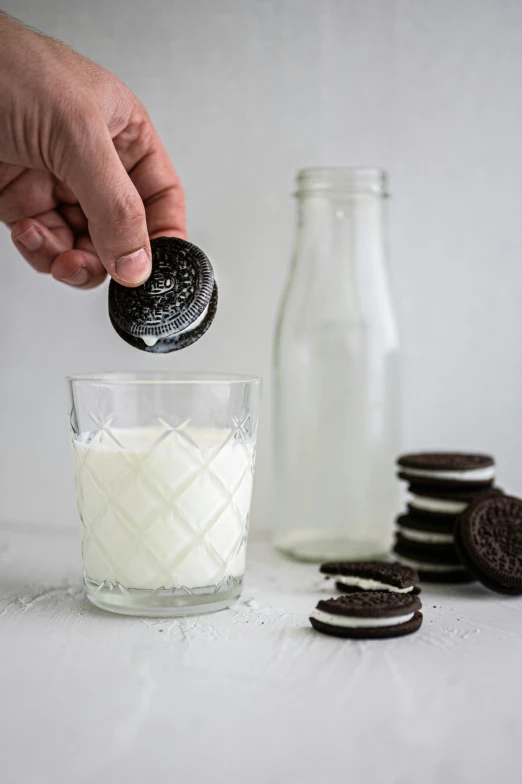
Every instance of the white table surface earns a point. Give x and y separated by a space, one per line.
250 694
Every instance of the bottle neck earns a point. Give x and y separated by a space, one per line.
344 232
341 255
341 215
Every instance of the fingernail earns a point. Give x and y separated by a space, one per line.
31 239
80 278
134 268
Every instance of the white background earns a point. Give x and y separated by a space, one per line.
244 92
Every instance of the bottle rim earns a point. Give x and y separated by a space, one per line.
342 179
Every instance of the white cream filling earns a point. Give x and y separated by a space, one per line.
429 537
470 475
151 340
437 504
424 566
366 584
358 623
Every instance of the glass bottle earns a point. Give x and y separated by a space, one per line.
337 385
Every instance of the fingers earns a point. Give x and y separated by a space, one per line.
80 267
41 239
111 204
49 245
75 217
118 210
45 237
29 194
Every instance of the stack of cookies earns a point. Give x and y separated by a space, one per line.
442 485
458 528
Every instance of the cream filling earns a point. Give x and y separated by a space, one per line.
424 566
358 623
151 340
366 584
437 504
429 537
472 474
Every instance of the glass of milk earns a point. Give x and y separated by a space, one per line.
164 465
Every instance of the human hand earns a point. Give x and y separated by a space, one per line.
84 178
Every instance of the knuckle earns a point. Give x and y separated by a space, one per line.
74 120
137 133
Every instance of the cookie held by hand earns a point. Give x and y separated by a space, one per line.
174 307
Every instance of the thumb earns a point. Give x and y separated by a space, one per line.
112 205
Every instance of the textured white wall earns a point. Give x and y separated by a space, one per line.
244 92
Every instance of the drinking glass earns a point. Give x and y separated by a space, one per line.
164 466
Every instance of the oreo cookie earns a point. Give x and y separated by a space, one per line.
435 563
350 577
174 307
448 469
488 537
368 615
444 503
434 531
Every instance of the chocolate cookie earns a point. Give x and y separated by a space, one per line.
174 307
450 469
444 503
368 614
426 530
434 553
435 563
353 576
489 541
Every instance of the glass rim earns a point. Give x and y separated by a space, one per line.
166 377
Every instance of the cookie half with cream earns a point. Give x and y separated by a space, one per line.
352 576
448 469
368 615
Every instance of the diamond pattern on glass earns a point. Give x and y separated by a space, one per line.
164 507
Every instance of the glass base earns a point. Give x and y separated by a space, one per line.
318 547
163 602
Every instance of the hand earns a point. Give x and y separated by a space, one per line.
84 178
